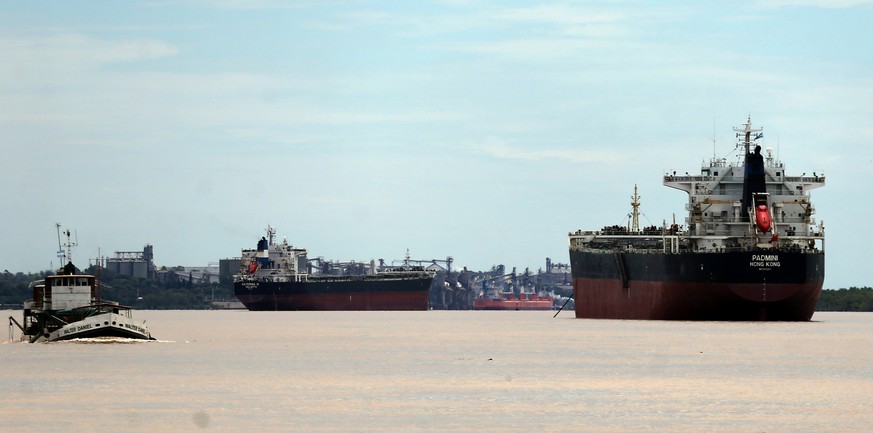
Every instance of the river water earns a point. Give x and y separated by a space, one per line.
447 371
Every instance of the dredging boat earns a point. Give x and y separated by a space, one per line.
67 306
749 249
278 276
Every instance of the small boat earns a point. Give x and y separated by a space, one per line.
67 305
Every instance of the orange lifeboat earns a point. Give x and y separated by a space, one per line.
253 266
762 218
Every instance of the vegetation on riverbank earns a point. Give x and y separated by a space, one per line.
851 299
135 292
174 294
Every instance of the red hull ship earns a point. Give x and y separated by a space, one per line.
506 292
533 303
749 250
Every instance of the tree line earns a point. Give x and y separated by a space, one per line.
851 299
141 293
138 293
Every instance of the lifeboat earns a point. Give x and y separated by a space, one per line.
253 266
762 218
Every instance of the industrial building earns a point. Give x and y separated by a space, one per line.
137 264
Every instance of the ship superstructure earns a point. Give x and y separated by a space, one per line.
749 249
753 205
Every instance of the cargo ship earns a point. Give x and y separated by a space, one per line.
749 249
279 277
68 306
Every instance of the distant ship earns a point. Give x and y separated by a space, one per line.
68 306
280 277
532 302
503 292
749 249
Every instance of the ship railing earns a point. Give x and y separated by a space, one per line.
686 249
674 244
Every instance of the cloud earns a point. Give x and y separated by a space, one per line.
75 51
500 149
559 15
826 4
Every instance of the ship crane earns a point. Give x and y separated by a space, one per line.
635 212
409 261
328 267
492 290
512 279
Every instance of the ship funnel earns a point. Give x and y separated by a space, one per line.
754 181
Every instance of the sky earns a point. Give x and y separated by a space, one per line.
481 130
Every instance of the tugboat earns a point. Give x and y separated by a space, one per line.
279 277
750 249
67 306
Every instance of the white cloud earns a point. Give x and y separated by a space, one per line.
500 149
827 4
75 52
559 15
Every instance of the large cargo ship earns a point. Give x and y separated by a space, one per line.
749 248
280 277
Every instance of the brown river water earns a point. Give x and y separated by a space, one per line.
447 371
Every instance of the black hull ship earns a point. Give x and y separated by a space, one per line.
279 277
749 250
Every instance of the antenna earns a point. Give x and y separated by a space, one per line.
271 233
713 140
746 136
65 249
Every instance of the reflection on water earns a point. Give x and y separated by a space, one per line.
462 371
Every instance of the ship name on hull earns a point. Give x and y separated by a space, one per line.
764 261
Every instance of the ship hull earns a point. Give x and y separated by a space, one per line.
102 325
335 294
751 285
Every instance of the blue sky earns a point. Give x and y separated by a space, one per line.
481 130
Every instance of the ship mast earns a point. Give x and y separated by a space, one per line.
635 213
747 131
271 234
65 249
